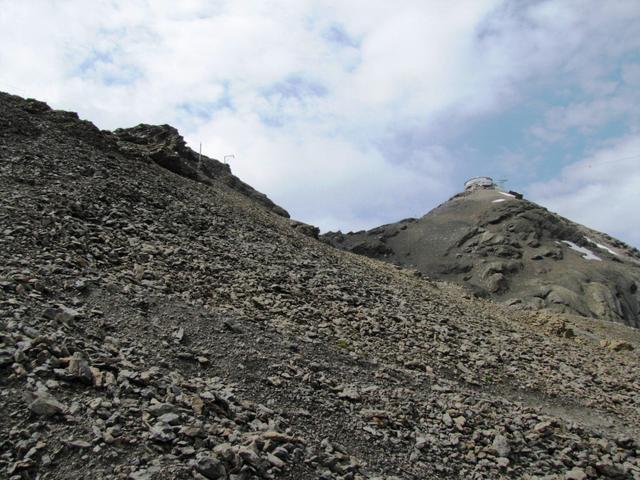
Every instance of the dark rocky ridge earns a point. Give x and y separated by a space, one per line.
514 251
153 327
161 144
165 146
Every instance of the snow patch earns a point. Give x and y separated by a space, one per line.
603 247
508 194
586 253
499 200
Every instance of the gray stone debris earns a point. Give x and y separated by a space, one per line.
209 339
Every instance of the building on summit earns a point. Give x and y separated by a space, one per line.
479 182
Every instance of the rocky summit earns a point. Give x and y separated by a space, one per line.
500 245
160 321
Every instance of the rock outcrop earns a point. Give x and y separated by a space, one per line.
154 328
166 147
514 251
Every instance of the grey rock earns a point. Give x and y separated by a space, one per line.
275 461
169 418
162 432
158 409
350 393
81 444
609 470
575 473
146 473
79 368
211 468
501 445
6 357
249 456
44 404
62 314
305 229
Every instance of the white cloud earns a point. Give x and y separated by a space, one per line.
600 191
304 92
587 116
606 101
328 180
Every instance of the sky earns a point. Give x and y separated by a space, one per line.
354 113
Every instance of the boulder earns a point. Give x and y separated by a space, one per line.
43 404
305 228
211 468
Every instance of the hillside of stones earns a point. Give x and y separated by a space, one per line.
153 326
514 251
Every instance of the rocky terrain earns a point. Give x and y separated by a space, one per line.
514 251
165 146
157 327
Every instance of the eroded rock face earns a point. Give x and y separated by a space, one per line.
305 229
515 251
166 147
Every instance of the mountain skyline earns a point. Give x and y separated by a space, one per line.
355 115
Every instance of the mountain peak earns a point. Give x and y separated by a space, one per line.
500 245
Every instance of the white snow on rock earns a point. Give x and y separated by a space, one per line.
604 247
499 200
508 194
586 253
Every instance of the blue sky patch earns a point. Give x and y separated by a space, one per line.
295 87
337 35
